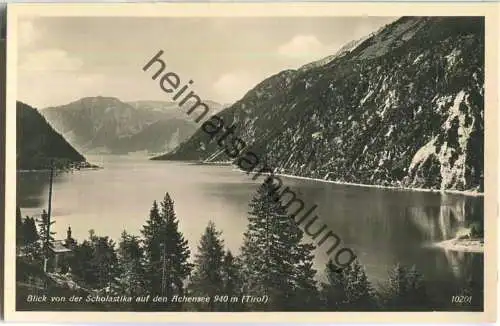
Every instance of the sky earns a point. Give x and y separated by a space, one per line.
62 59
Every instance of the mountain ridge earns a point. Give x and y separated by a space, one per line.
404 108
108 125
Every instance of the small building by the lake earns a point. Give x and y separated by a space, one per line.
61 252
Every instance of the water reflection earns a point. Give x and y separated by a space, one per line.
438 223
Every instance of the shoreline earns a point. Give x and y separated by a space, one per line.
444 191
450 191
86 168
216 163
462 245
441 191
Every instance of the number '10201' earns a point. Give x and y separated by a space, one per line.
461 299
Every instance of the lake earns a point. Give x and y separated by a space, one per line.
383 226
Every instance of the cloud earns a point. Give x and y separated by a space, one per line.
49 60
231 86
56 88
304 47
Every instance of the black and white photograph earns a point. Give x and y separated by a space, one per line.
249 164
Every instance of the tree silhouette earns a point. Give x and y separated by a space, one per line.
166 251
405 290
130 280
274 261
333 292
207 278
231 277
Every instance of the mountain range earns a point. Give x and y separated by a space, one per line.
108 125
402 107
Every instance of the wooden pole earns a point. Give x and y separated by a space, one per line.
49 210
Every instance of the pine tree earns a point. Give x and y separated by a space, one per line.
95 263
360 293
231 280
153 251
166 251
348 289
130 280
27 238
81 263
405 290
45 235
207 279
104 262
31 239
274 261
30 232
333 293
306 295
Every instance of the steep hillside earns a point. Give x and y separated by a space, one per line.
108 125
38 143
258 111
403 108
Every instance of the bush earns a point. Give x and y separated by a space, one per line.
476 230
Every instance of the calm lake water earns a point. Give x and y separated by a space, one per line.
383 227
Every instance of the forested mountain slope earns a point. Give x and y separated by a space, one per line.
38 144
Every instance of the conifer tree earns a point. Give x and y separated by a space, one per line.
333 292
153 250
207 278
306 295
27 237
95 262
81 263
274 261
166 251
104 261
231 279
405 290
30 232
130 280
360 293
45 235
348 289
31 238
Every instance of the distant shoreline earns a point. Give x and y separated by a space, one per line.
451 191
84 167
447 191
214 163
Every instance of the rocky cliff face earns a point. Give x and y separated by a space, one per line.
405 107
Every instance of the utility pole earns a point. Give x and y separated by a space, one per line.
47 240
